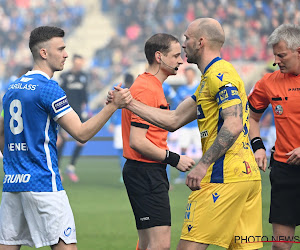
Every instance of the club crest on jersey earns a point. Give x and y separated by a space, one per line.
68 231
223 95
60 104
278 110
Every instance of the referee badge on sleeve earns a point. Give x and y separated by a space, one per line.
278 110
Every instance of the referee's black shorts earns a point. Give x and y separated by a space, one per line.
285 194
147 187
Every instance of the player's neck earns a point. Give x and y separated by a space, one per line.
46 70
156 71
206 58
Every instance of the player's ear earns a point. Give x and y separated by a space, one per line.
43 53
157 57
200 41
298 51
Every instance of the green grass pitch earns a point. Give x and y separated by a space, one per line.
103 216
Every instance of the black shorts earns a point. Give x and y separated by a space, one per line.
285 194
147 187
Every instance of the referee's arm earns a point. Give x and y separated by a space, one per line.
254 132
140 143
170 120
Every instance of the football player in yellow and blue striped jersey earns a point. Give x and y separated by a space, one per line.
224 207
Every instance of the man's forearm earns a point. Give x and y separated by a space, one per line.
254 128
254 119
224 140
159 117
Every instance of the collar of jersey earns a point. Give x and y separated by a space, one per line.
211 63
34 72
154 77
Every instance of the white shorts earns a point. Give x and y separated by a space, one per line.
36 219
118 142
188 137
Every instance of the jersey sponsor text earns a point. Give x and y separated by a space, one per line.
22 86
16 178
19 146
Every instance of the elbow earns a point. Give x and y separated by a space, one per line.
82 141
172 129
135 145
172 126
172 123
237 129
81 138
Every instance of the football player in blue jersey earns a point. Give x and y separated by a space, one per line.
35 209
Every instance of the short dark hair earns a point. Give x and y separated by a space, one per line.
158 42
43 34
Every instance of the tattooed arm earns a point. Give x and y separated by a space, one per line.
229 132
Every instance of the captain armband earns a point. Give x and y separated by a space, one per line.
171 158
257 143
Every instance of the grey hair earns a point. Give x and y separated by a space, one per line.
289 33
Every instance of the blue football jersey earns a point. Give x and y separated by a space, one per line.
32 105
184 92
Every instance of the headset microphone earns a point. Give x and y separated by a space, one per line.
175 68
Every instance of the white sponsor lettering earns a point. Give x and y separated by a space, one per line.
19 146
16 178
22 86
204 134
26 79
144 218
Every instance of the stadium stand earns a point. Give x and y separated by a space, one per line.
111 33
247 25
18 18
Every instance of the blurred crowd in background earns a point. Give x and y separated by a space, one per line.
18 18
247 25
